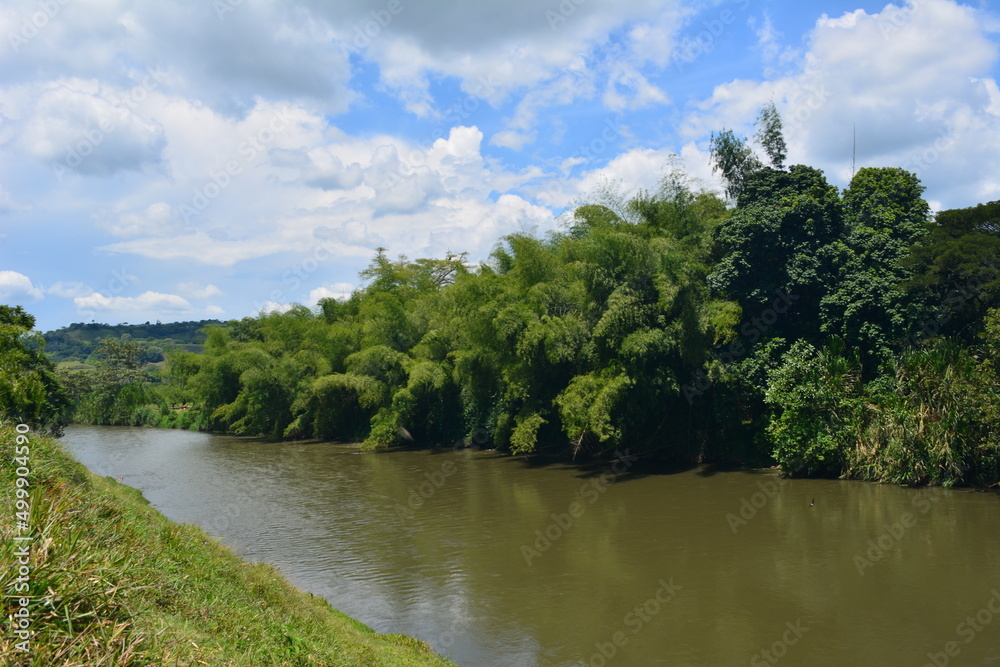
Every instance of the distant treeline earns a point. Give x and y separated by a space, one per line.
79 341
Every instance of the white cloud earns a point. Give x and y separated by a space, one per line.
412 198
198 291
157 219
275 307
147 301
629 89
69 289
503 49
768 42
513 139
259 49
640 168
334 291
7 204
16 286
911 79
297 133
76 126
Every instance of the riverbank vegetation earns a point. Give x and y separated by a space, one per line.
834 333
112 582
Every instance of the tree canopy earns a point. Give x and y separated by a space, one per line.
839 333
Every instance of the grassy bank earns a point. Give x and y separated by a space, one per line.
113 582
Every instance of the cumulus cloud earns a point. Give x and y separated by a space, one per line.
627 88
16 286
228 59
334 291
294 134
198 291
147 301
412 198
914 80
503 50
75 126
69 290
275 307
157 219
513 139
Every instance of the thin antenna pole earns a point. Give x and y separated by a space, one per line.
854 150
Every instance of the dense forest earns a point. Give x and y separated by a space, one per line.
79 341
833 333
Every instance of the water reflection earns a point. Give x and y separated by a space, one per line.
433 545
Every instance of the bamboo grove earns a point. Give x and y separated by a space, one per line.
833 333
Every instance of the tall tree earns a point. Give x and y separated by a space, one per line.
29 390
733 159
770 135
776 249
884 215
121 393
957 270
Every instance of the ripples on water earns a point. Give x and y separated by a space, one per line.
450 566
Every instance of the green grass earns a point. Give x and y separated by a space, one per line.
74 365
113 583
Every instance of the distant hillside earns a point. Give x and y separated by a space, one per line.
78 341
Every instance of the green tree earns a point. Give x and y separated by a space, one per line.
733 159
121 394
884 215
30 392
770 135
777 252
956 272
815 395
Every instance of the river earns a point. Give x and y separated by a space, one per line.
493 561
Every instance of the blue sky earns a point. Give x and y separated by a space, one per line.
188 160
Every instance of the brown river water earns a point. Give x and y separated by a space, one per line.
496 562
